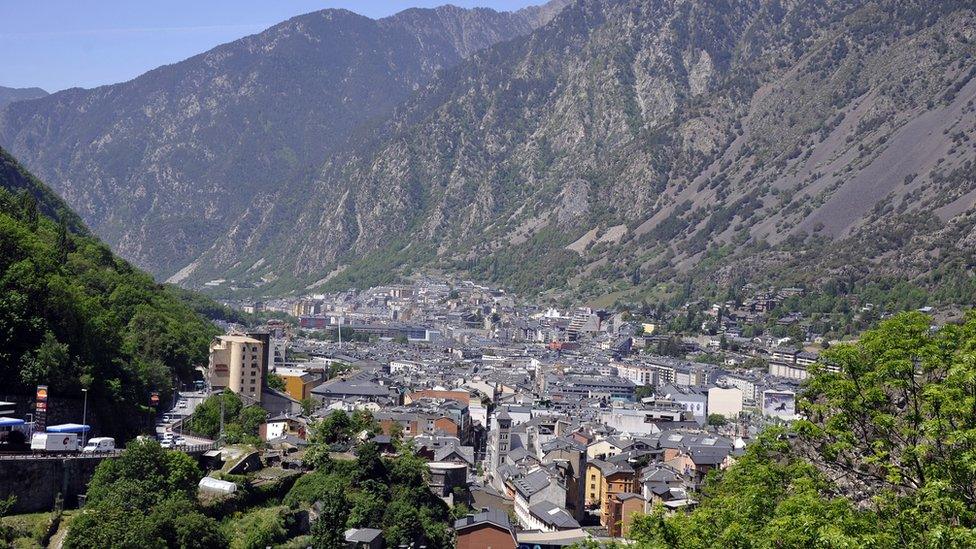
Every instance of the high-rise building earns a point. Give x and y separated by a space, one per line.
237 362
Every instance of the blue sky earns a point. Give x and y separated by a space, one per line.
58 44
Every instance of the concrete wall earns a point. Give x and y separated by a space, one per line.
37 482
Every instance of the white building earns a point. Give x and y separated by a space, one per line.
725 401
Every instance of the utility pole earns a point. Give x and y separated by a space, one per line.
84 418
221 436
340 331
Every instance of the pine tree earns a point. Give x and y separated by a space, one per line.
64 243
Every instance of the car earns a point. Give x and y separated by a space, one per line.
179 441
166 444
99 444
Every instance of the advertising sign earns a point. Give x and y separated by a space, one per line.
40 416
780 404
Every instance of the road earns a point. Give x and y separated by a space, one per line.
192 399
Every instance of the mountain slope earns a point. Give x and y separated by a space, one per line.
656 137
162 165
9 95
73 315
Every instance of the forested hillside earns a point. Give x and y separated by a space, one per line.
73 315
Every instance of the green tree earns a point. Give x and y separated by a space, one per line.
894 413
768 499
144 498
276 382
335 428
328 529
717 420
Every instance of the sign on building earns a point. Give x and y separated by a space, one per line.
780 404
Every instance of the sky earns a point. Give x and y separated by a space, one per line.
59 44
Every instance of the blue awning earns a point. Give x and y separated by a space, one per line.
10 422
68 428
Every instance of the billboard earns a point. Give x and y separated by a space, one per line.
781 404
40 416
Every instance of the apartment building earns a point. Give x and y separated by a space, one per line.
237 362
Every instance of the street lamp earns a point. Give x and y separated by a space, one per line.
84 418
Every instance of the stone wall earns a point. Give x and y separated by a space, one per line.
36 482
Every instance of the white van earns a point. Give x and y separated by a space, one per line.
99 444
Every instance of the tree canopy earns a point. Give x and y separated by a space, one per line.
73 315
885 457
145 498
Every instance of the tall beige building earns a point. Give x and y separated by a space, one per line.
237 363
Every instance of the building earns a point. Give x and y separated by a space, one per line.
623 507
298 383
237 362
364 538
487 530
445 476
604 480
727 402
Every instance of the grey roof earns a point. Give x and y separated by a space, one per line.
563 443
553 515
532 483
491 516
709 456
607 468
464 452
359 388
362 535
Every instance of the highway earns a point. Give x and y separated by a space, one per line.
185 405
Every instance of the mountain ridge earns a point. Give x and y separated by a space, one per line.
157 165
675 154
9 95
624 146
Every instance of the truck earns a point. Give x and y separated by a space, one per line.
99 444
54 442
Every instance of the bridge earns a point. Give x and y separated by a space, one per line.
36 480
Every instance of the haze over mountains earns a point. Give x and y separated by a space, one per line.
594 146
9 95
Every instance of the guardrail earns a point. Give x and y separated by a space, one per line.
194 448
61 455
187 448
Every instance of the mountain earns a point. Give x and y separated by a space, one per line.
73 315
627 143
628 148
163 165
9 95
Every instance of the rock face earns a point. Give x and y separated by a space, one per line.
9 95
677 136
163 165
778 136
